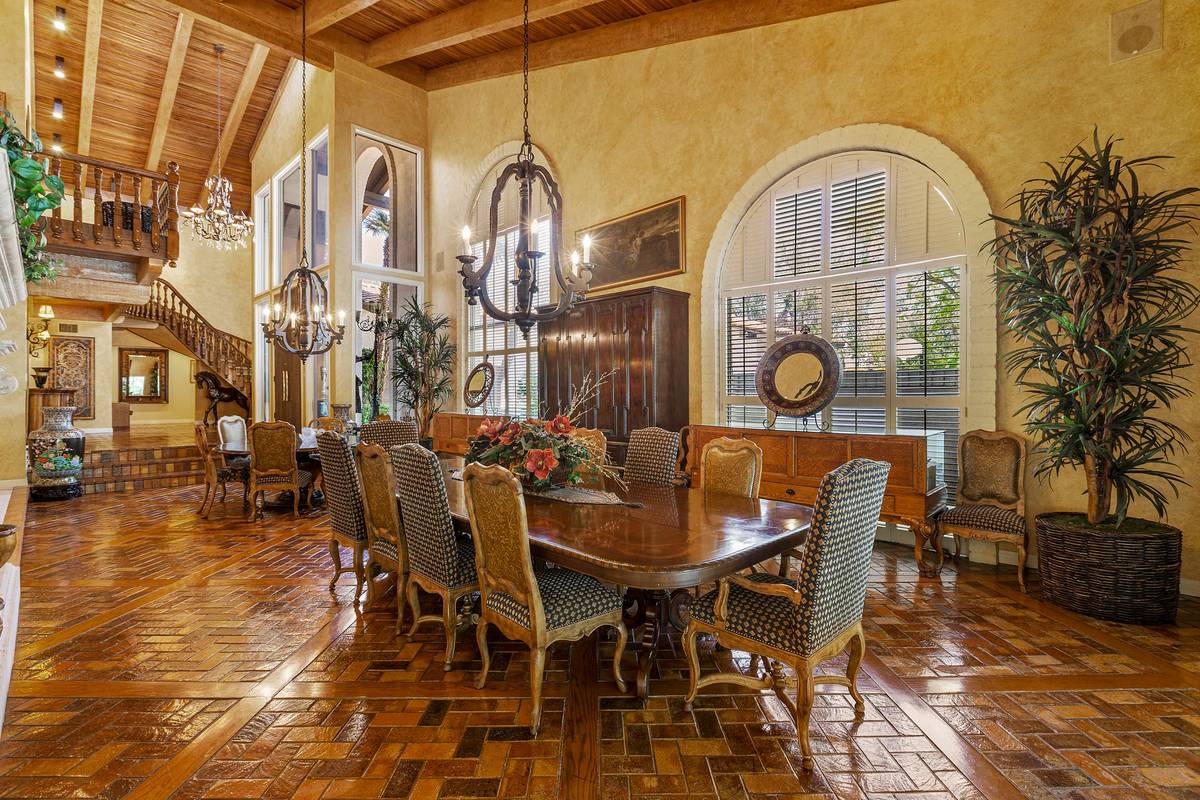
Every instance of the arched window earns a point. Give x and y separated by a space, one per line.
867 250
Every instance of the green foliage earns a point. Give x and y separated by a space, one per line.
422 362
35 192
1087 273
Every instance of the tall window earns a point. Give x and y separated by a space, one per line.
866 250
514 357
318 193
387 180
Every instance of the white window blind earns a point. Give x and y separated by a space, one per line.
865 249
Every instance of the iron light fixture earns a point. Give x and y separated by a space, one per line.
38 333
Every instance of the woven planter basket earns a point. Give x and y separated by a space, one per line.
1114 575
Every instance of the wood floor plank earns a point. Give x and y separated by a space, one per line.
581 725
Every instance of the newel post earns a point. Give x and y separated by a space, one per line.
172 213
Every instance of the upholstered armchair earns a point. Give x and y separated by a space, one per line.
536 606
390 432
273 464
232 434
439 561
731 466
385 534
812 619
216 472
991 495
652 457
343 496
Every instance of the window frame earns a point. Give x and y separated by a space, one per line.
419 152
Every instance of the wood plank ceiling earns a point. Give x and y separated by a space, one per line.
148 49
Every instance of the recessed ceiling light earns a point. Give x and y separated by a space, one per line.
58 112
57 146
60 18
60 67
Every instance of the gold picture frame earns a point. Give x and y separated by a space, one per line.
639 246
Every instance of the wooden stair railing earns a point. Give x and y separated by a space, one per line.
229 356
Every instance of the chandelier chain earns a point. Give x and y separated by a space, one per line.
526 145
304 129
219 50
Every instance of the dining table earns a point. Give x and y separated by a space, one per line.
653 541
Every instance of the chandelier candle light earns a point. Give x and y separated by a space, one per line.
528 175
216 224
303 325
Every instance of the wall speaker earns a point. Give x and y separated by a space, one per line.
1135 31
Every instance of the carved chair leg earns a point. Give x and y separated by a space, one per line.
1021 566
689 647
484 656
957 546
450 618
622 636
805 693
537 664
359 571
296 502
207 488
335 553
401 591
858 648
370 583
414 602
222 492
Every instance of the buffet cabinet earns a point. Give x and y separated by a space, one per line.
641 337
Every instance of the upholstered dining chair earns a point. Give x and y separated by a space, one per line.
344 497
385 534
389 432
803 622
273 464
231 433
216 472
652 457
991 495
439 561
536 606
731 466
331 424
597 444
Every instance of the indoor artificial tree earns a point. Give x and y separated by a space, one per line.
422 363
1089 281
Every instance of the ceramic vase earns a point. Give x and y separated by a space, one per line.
56 456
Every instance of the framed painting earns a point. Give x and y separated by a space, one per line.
73 366
637 247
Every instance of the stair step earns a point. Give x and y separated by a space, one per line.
141 468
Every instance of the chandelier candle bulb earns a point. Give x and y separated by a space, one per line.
587 248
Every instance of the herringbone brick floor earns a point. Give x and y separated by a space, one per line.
161 655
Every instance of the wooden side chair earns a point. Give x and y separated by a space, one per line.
385 534
731 466
537 607
652 457
991 495
273 464
331 424
390 432
344 497
216 472
439 561
597 444
804 622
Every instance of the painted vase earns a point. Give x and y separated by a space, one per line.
56 456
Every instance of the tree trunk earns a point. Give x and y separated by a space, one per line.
1099 487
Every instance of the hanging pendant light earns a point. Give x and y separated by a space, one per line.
216 224
303 324
529 177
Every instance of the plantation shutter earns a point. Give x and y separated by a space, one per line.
797 234
858 325
857 222
746 341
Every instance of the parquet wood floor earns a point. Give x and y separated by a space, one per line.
164 656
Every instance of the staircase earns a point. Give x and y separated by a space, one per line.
229 356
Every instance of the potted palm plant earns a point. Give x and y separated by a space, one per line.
1088 277
422 363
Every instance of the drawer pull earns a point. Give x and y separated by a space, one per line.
790 492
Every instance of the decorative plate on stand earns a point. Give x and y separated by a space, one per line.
798 376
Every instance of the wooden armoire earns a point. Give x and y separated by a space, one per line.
642 334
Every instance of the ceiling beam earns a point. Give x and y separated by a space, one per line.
326 13
476 19
681 24
166 100
254 67
87 92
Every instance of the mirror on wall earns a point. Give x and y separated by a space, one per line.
143 375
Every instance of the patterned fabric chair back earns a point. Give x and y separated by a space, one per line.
731 466
206 452
273 448
651 456
837 554
390 432
343 487
332 424
992 469
378 496
231 432
496 504
425 511
595 441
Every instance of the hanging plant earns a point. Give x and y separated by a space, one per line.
35 192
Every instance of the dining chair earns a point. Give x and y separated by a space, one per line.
809 620
216 472
536 606
731 466
273 464
652 457
597 445
231 433
439 561
991 495
331 424
344 496
385 534
390 432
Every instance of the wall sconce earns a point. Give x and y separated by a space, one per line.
38 333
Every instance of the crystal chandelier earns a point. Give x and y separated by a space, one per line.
217 225
529 176
302 324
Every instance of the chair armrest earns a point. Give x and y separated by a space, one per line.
721 607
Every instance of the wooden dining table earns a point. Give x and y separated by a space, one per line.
660 539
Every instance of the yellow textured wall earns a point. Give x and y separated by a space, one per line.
1005 85
181 392
105 360
219 283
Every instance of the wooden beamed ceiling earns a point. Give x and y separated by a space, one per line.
139 85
